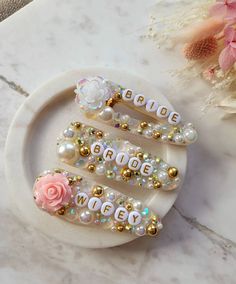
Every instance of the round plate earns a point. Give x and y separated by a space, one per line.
31 148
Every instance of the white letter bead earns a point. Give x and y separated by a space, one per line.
81 199
94 204
109 154
121 214
162 111
107 208
127 95
151 106
97 149
134 164
146 169
135 218
139 100
174 118
122 158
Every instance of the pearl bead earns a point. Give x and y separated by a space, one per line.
106 114
111 196
148 133
140 230
163 165
178 138
163 176
100 170
66 151
85 217
190 135
137 205
159 226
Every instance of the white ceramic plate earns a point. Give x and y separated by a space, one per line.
31 145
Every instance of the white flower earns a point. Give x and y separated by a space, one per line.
92 93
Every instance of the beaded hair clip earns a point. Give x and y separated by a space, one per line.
80 201
98 98
104 154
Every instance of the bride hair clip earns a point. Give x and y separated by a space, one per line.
98 98
79 201
104 154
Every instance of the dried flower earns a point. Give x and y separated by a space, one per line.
228 55
200 49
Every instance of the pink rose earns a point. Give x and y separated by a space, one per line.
51 192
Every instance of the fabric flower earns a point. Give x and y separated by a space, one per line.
52 192
92 93
223 9
228 54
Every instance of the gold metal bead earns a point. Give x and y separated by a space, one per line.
98 191
143 124
84 151
126 173
71 180
128 227
61 211
117 96
151 230
120 228
157 184
176 129
91 168
129 206
156 134
172 172
99 134
139 155
76 124
170 136
140 131
124 126
111 102
154 219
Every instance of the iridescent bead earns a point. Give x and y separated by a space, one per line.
100 169
140 230
68 132
85 217
111 196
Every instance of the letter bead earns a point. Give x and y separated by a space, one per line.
134 164
109 154
134 218
121 214
162 111
151 106
174 118
94 204
146 169
97 149
139 100
122 158
81 199
107 208
127 95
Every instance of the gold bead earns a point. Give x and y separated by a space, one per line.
129 206
143 124
157 184
152 230
111 102
170 136
139 155
154 219
172 172
117 96
124 126
58 171
61 211
76 124
128 227
176 129
71 180
126 173
120 228
98 191
91 168
84 151
156 134
99 134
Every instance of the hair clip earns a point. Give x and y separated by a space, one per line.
89 148
98 96
80 201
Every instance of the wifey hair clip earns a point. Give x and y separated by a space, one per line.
97 97
80 201
104 154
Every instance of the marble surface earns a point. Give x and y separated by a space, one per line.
198 244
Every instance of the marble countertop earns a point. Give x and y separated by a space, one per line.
198 244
